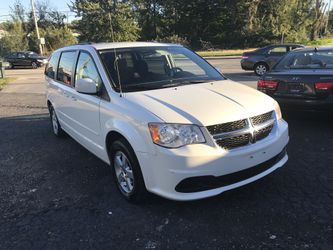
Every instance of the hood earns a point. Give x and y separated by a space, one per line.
203 104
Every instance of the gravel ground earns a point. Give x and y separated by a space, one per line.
54 194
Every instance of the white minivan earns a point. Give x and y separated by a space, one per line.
164 119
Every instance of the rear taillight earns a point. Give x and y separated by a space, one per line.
267 84
324 87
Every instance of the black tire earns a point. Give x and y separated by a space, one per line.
55 125
34 65
138 193
260 68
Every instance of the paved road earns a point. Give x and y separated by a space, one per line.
231 68
56 195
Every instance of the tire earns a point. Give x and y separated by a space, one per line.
11 66
56 128
127 172
34 65
260 69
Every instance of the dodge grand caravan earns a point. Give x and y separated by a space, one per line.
164 119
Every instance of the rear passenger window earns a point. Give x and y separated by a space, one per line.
65 68
51 67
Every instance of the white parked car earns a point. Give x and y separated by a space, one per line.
164 119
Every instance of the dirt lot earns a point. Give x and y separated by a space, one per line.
56 195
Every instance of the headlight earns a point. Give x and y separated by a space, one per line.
277 111
175 135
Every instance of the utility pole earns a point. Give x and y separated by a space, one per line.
36 26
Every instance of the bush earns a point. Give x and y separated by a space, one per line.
174 39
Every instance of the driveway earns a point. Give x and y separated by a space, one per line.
54 194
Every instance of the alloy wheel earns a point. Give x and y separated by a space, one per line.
55 123
34 65
124 172
261 69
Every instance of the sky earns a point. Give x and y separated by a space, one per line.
60 5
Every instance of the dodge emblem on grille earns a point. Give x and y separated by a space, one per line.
253 137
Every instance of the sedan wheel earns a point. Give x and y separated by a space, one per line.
260 69
34 65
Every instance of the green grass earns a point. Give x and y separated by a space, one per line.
4 81
231 52
321 42
239 52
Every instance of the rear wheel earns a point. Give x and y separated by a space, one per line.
56 128
127 171
260 69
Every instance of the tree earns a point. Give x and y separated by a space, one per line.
105 21
15 38
51 26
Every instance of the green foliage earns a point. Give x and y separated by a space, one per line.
174 39
321 42
105 21
14 40
21 34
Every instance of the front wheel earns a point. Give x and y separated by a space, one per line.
34 65
127 171
260 69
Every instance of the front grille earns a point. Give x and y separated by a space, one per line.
239 133
227 127
234 142
255 120
263 133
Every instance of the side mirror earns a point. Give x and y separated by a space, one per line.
86 86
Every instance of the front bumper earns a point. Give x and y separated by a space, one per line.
167 169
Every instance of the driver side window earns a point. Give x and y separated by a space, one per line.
86 68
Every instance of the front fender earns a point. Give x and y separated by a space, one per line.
136 134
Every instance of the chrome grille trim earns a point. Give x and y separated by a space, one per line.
256 128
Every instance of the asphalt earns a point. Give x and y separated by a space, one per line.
54 194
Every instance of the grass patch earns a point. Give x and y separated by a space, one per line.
321 42
4 81
229 52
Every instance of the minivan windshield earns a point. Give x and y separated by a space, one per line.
155 67
306 60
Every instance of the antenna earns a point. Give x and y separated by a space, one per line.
115 54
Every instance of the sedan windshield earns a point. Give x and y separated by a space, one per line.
146 68
306 60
